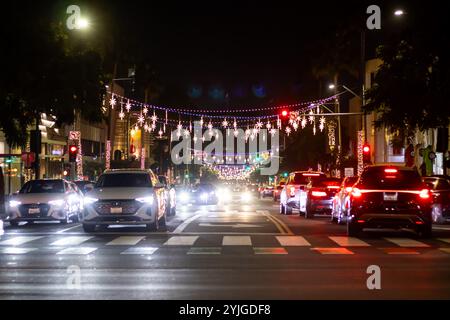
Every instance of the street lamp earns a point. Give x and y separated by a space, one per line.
82 23
399 12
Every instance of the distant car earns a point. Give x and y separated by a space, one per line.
267 191
84 185
45 200
2 201
391 197
125 197
277 192
440 189
253 189
319 196
341 200
203 193
293 195
171 206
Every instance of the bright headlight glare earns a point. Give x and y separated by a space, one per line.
184 196
58 203
246 196
14 203
204 196
145 199
90 200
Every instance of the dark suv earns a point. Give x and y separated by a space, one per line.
391 197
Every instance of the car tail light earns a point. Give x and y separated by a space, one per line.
356 192
390 170
292 189
360 221
333 187
424 194
319 194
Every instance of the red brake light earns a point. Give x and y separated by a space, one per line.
356 192
73 149
333 187
424 194
319 194
390 170
310 174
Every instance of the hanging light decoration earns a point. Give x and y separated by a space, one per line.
322 123
141 119
145 110
113 101
268 125
236 132
295 125
303 123
314 129
128 106
288 131
273 131
225 123
160 133
311 116
121 114
234 124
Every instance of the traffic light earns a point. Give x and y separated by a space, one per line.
366 153
73 150
284 113
285 174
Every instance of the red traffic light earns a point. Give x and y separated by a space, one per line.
73 149
284 113
366 149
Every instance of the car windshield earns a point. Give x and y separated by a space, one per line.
326 182
130 180
43 186
205 186
390 178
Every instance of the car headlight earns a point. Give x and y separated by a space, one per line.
145 199
57 203
204 196
246 196
14 203
89 200
184 196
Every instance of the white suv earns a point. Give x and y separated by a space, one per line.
127 197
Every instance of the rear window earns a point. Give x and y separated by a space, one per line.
383 177
43 186
327 182
118 180
305 178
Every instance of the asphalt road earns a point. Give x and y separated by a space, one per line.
222 252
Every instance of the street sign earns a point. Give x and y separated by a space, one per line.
349 172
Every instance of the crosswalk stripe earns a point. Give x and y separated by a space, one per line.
236 241
407 243
125 241
399 251
205 250
181 241
293 241
71 241
447 240
15 250
140 250
349 242
279 250
77 250
333 250
17 241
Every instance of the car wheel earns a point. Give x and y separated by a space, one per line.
282 209
173 211
154 226
66 220
14 223
89 227
288 210
426 231
352 229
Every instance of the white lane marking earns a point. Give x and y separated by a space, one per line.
183 226
17 241
64 230
447 240
181 241
236 241
407 243
238 225
442 228
15 250
349 242
205 250
140 250
77 250
270 251
293 241
71 241
125 241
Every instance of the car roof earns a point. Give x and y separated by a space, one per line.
126 170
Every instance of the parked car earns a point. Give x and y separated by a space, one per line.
125 197
293 195
440 190
341 200
391 197
45 200
2 201
171 206
319 196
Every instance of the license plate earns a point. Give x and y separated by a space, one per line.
390 196
34 210
116 210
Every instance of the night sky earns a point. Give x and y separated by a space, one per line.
229 53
